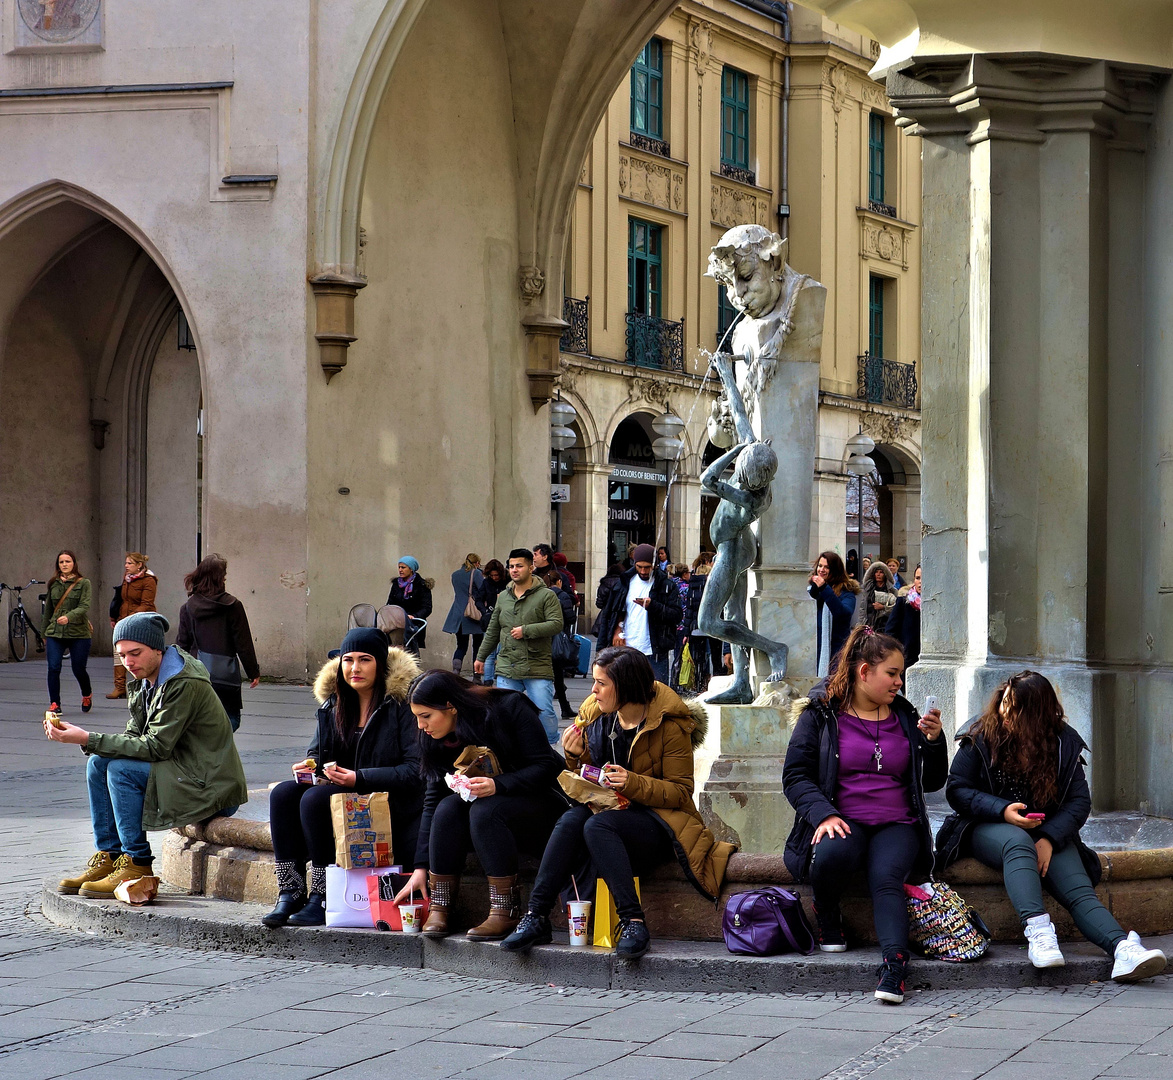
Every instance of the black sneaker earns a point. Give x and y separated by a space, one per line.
531 930
892 972
831 936
634 940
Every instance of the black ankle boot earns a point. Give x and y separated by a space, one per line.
288 903
312 913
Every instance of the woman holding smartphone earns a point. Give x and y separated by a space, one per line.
642 734
1020 797
859 763
365 741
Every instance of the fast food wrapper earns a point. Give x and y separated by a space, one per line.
589 794
477 761
137 892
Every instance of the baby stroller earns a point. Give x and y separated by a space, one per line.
401 629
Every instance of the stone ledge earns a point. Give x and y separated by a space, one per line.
208 924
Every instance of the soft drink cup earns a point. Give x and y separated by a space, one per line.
412 917
579 917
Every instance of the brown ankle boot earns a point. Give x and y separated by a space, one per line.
504 910
441 892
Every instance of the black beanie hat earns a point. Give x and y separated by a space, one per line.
365 639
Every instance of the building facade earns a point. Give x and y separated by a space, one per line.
737 113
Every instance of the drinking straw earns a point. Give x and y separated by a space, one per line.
575 884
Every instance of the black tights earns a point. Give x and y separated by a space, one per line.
617 845
887 852
462 647
300 821
495 828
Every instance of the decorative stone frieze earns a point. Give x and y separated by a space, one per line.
654 183
884 238
737 204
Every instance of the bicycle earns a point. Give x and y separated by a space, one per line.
20 623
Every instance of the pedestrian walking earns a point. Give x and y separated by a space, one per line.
607 582
904 621
894 575
413 593
545 560
876 597
553 582
859 763
643 611
643 736
67 626
516 801
136 593
562 563
834 593
663 558
1020 797
680 574
365 741
213 627
704 651
464 616
526 617
495 579
852 563
146 777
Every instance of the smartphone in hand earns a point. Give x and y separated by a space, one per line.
930 703
1036 817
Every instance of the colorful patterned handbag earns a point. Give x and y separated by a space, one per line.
941 926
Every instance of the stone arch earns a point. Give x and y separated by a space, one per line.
86 301
594 451
688 459
898 501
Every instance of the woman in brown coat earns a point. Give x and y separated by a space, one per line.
136 593
642 735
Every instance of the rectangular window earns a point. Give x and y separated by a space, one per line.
647 91
643 267
734 118
875 315
726 313
876 131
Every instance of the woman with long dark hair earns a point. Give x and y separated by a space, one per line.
495 579
67 626
834 592
1020 796
642 735
511 811
365 741
859 763
213 627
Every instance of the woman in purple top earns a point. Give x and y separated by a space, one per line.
859 763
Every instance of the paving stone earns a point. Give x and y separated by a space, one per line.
498 1033
939 1063
1142 1066
698 1047
653 1068
587 1052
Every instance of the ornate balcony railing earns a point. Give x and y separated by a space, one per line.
576 337
742 176
887 382
656 343
648 144
881 208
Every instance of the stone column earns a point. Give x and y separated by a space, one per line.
596 479
1015 314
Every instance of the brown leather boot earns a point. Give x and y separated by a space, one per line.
504 910
441 892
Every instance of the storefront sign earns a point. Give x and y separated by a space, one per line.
559 493
634 474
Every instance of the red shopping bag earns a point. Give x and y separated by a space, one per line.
382 889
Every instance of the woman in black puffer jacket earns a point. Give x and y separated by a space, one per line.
365 741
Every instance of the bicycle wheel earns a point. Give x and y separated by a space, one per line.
17 636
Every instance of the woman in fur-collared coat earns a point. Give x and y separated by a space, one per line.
365 741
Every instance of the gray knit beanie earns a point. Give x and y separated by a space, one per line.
145 627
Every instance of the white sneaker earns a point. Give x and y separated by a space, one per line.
1134 962
1043 945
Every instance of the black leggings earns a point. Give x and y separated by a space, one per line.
616 845
462 647
887 852
494 827
300 821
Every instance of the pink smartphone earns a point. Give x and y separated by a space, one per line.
1035 817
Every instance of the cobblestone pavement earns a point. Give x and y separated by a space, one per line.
73 1004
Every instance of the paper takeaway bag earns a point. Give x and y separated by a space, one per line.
591 794
362 830
606 917
477 761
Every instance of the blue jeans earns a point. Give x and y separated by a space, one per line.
234 720
541 693
79 654
118 787
660 667
491 667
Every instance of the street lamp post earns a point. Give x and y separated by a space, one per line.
562 437
860 465
667 447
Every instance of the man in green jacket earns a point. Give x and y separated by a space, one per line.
175 764
525 619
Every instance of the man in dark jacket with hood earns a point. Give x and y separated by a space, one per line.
644 606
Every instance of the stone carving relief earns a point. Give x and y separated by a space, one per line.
735 206
702 44
363 239
651 182
531 283
839 79
886 242
653 391
43 23
888 429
